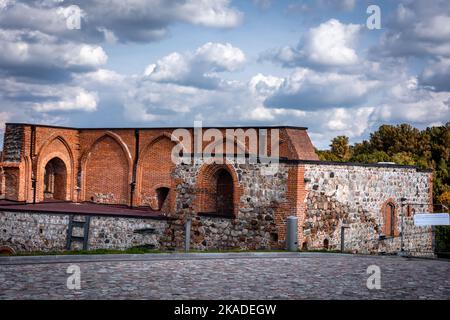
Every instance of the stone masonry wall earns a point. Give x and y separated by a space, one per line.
354 196
259 192
26 232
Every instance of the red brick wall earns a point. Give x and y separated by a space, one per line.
154 171
106 173
103 165
295 202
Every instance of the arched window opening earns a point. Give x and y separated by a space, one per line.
6 251
410 211
224 193
161 195
389 219
55 180
326 244
216 191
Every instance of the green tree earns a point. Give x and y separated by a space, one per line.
340 148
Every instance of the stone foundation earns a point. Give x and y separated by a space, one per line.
26 232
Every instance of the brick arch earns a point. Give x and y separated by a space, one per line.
106 171
206 185
55 147
154 171
6 250
387 221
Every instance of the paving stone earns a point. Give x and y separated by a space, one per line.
322 276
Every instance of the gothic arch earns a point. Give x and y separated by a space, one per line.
154 171
389 214
116 167
209 179
64 153
55 180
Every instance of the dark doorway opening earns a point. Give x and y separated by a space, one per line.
161 194
326 244
224 193
55 180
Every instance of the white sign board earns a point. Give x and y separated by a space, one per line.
431 219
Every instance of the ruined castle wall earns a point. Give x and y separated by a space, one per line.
27 232
355 196
259 192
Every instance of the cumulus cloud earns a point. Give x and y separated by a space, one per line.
308 90
408 101
419 29
36 55
350 122
76 99
198 69
331 44
99 77
138 21
437 75
264 86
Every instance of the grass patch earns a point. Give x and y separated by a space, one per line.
135 250
88 252
143 250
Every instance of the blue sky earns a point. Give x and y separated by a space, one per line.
251 62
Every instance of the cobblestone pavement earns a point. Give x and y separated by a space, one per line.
319 276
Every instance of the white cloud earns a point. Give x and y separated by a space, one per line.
350 122
220 57
99 77
198 69
306 89
211 13
86 55
264 86
409 102
331 44
137 20
418 29
437 75
76 99
25 52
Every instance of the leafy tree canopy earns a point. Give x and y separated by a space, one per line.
402 144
